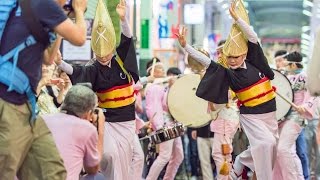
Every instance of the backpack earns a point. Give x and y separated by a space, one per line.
11 75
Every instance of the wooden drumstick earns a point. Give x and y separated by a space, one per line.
153 65
287 100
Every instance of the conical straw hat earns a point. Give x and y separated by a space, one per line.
196 66
223 61
242 11
103 38
236 43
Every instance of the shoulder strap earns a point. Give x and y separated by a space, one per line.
119 61
33 23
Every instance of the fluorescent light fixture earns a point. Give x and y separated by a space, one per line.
305 28
305 52
306 42
305 36
307 13
220 1
307 3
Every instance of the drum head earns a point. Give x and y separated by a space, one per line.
283 87
183 103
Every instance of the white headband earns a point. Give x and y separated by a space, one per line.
281 56
158 63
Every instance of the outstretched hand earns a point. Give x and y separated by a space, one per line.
300 109
232 10
121 10
182 36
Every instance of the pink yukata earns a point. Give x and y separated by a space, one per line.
224 128
138 155
288 164
170 151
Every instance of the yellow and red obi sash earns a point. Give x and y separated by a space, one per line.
256 94
117 96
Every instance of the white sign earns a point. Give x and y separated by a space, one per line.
193 14
71 52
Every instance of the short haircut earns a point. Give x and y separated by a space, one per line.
280 53
174 71
79 100
221 42
294 57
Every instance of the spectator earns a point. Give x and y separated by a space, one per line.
21 133
77 140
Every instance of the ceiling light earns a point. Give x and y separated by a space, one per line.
305 42
305 28
305 52
305 36
307 3
307 13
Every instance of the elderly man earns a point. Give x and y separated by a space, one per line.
77 140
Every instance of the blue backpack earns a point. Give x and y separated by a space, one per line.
11 75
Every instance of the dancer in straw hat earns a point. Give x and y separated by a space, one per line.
249 77
112 78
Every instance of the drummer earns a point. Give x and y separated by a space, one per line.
288 163
157 111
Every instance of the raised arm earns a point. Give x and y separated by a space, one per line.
52 52
246 29
121 10
198 56
313 71
65 67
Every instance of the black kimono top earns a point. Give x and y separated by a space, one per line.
217 80
105 77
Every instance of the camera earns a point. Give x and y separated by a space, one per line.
68 5
96 111
96 121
